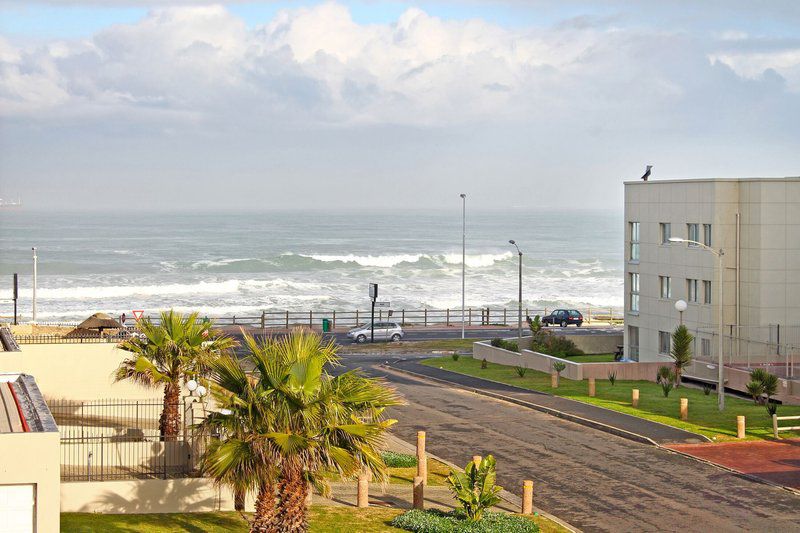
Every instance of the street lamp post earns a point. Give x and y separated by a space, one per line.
35 281
519 326
720 368
463 256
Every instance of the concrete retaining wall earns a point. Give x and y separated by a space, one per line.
595 344
737 379
187 495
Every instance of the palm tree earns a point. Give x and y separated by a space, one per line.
681 351
177 349
290 422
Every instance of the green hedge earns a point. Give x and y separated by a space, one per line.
399 460
434 521
511 346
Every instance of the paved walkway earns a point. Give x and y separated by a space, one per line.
614 422
774 461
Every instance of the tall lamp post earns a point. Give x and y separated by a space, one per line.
520 287
463 256
720 368
35 281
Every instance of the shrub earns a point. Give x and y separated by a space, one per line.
612 377
520 370
772 407
455 356
436 521
484 364
505 345
762 387
549 343
398 460
706 389
474 488
666 378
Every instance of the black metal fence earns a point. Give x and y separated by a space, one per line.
48 338
120 439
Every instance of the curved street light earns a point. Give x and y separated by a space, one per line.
519 325
720 367
463 256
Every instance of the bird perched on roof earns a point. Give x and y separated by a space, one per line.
647 173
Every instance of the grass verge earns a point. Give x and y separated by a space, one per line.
458 345
594 358
704 417
321 519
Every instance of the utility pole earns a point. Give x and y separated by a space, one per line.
463 257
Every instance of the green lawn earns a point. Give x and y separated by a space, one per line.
594 358
322 519
459 345
704 417
437 473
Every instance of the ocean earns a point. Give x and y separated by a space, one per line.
240 263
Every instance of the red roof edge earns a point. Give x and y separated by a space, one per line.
25 425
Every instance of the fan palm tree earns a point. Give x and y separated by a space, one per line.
290 422
171 352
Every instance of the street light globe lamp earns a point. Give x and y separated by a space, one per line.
191 385
201 391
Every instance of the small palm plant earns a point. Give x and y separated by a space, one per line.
666 378
762 387
612 377
475 488
177 349
521 370
681 351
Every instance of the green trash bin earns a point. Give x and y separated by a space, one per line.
326 325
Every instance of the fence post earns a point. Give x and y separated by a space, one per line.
740 427
287 319
422 462
311 319
469 323
403 317
356 317
263 319
635 397
334 319
591 388
426 317
775 425
505 322
419 493
362 497
447 319
527 497
684 409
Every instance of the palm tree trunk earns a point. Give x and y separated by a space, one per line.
264 517
293 488
170 423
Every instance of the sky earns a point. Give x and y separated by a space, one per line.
370 104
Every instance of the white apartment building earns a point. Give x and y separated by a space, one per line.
755 221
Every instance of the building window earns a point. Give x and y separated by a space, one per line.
663 342
693 233
666 232
707 234
691 290
705 347
634 241
706 292
633 343
666 286
635 292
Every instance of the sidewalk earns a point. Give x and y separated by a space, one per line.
777 462
620 424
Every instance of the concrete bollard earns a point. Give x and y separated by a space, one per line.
554 379
363 490
422 461
419 493
635 397
740 427
527 497
684 408
592 390
476 459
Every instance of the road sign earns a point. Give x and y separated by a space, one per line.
383 304
373 290
138 314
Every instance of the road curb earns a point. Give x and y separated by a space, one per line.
548 410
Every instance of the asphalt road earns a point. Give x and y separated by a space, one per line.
420 334
594 480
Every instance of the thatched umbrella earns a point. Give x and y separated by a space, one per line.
99 321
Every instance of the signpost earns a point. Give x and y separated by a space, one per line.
137 314
382 304
373 294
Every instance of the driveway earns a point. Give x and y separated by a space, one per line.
594 480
